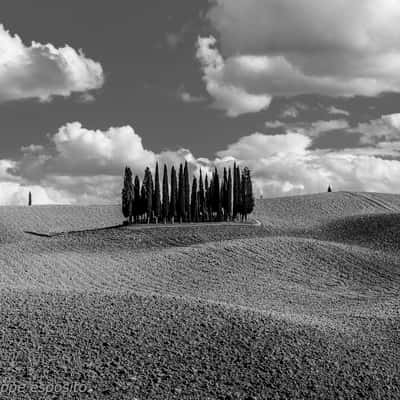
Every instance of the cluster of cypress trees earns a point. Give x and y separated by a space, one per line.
208 200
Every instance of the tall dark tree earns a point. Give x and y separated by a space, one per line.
181 195
149 187
235 196
30 199
229 196
329 189
224 195
216 196
127 195
207 199
246 194
237 190
201 199
173 205
143 202
157 195
187 192
165 196
194 206
136 199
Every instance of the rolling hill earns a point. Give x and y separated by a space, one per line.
303 306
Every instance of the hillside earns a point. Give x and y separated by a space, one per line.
304 305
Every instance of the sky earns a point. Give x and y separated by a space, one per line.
306 94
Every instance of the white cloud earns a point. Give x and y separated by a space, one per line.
284 164
189 98
311 129
318 127
82 150
17 194
86 98
337 111
290 112
274 124
386 128
14 191
42 71
260 146
286 48
227 96
86 166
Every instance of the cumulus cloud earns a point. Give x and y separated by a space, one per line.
228 96
14 190
285 165
96 151
337 111
80 165
311 129
304 47
42 71
259 146
386 128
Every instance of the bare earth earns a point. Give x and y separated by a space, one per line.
304 306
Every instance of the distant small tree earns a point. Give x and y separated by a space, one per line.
173 205
157 195
165 196
30 199
194 207
181 195
187 192
329 189
127 195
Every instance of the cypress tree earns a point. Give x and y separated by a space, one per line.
210 195
148 184
194 208
127 195
181 195
234 194
173 205
143 201
238 192
165 197
216 195
136 198
229 196
30 199
250 202
187 192
247 198
207 203
201 198
157 195
224 195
